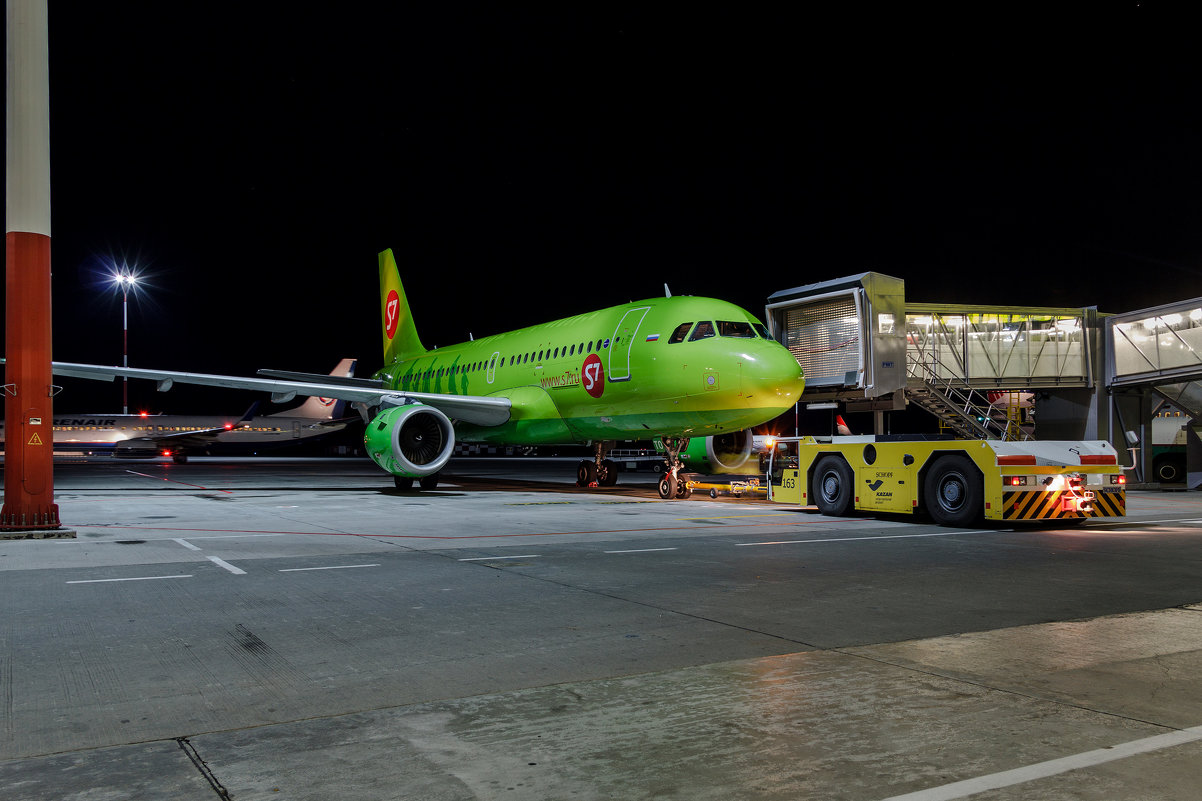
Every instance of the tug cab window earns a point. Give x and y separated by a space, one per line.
733 328
704 330
680 333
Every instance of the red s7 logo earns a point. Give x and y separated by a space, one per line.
392 308
592 375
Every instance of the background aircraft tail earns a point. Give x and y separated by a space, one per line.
323 408
400 334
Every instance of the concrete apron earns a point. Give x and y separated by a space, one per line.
1097 709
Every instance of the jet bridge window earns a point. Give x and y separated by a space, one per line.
704 330
680 333
735 328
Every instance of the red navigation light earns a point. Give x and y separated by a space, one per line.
229 426
143 414
166 452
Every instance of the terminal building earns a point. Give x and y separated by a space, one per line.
1000 372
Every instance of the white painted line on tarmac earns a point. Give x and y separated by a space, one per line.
330 567
1041 770
135 578
222 563
1128 521
643 550
185 543
861 539
495 558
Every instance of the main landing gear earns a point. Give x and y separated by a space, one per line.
598 471
670 483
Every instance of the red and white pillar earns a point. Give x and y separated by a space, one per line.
28 414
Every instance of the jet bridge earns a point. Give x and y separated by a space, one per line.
1154 356
979 369
861 344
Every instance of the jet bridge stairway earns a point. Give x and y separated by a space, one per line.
967 412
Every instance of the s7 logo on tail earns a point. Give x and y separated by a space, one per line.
392 308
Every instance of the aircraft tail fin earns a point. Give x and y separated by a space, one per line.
323 408
400 334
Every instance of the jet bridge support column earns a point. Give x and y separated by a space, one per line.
29 509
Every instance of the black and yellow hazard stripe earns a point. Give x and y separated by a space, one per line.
1042 505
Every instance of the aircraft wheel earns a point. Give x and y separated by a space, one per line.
401 482
953 494
609 473
429 482
833 486
667 486
586 473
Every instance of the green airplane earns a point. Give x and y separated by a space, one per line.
678 369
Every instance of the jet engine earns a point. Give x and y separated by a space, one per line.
411 441
724 453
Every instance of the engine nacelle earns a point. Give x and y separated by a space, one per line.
724 453
410 441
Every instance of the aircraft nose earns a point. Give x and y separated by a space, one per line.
772 377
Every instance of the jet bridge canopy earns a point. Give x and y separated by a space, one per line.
847 334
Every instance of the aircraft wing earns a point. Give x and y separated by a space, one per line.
484 411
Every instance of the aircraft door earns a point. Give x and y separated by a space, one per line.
492 367
622 342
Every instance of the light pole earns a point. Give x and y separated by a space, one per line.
127 281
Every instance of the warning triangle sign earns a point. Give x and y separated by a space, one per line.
35 439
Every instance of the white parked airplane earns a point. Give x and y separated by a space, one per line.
141 436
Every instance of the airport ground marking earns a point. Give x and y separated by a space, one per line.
237 571
173 481
861 539
133 578
642 550
185 543
1052 767
329 567
495 558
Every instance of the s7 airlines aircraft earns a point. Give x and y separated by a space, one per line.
672 368
135 436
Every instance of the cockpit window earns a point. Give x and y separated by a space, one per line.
680 333
735 328
703 330
762 329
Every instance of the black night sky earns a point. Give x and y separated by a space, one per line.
531 162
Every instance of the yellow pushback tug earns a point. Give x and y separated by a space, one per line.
955 482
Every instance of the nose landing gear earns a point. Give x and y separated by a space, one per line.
670 483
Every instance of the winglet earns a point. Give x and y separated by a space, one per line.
400 334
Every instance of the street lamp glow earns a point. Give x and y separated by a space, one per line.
126 280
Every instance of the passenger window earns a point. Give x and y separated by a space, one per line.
540 356
556 356
703 330
735 328
680 333
605 344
